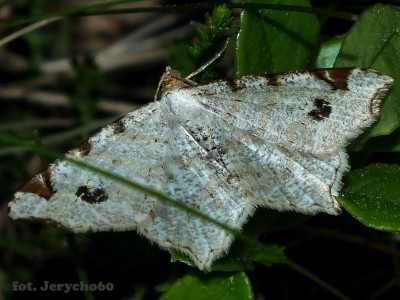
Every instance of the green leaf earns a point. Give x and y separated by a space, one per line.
385 143
374 42
372 195
225 264
268 255
216 29
328 53
273 41
217 285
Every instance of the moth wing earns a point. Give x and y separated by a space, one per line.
202 183
149 147
80 200
314 112
268 175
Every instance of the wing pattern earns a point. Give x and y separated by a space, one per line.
222 148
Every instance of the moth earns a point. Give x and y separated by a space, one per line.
223 148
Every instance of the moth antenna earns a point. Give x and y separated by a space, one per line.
208 63
157 95
169 73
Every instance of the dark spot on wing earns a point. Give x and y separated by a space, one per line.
273 79
40 185
321 111
235 85
118 126
85 148
91 196
336 78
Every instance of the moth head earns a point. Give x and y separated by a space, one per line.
171 80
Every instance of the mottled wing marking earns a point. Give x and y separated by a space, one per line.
269 175
204 188
40 185
300 111
81 201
